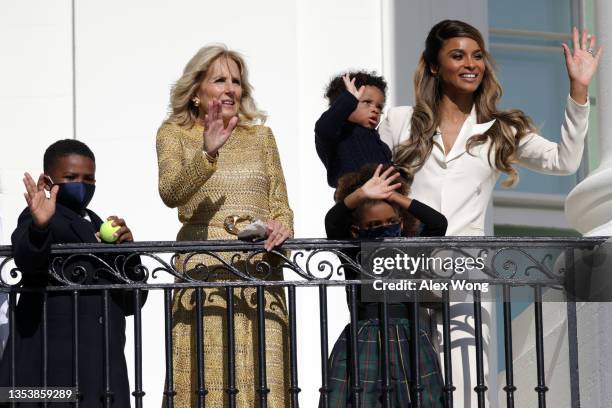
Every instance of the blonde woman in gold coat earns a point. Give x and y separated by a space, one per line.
216 160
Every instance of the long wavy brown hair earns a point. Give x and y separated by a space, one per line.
509 127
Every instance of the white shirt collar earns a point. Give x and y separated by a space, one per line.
469 128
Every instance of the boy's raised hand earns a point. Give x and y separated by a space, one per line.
350 86
41 207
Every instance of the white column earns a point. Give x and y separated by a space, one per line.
589 210
589 206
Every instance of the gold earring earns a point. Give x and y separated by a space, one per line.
196 102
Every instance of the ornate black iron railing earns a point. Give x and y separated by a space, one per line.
539 263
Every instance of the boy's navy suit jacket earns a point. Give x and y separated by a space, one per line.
31 250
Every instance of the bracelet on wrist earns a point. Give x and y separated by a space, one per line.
211 159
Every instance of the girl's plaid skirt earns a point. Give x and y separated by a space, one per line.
371 367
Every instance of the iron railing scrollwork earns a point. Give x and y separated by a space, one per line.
537 263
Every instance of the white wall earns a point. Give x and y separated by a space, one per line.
127 56
36 97
35 101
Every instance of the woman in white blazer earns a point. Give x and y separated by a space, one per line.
455 142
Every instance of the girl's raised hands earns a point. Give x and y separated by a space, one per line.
379 187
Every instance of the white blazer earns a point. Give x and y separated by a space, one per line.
460 185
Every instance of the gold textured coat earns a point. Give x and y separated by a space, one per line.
247 179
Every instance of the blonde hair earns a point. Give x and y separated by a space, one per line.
182 109
509 127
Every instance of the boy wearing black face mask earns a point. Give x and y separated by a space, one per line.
371 205
57 214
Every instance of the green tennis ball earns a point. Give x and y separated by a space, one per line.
107 230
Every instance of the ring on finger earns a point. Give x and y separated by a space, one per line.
590 51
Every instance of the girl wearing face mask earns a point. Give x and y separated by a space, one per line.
372 204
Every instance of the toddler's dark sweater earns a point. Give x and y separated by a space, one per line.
344 147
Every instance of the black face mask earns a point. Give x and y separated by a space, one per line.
75 195
384 231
